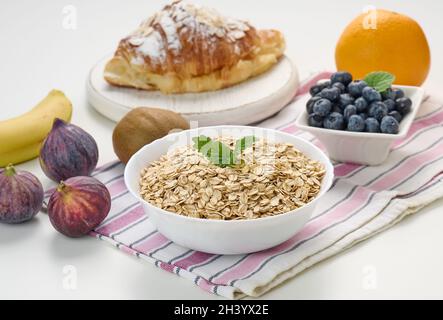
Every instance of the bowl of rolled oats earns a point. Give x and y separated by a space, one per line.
229 189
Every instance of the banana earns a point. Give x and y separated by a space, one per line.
21 137
20 155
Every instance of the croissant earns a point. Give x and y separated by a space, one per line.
188 48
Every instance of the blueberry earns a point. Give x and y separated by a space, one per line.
377 110
388 94
322 107
390 104
340 86
371 95
349 111
396 115
403 105
372 125
310 104
342 77
334 121
356 123
315 90
332 94
372 106
399 93
319 87
325 83
355 88
389 125
361 104
364 116
337 108
315 121
345 99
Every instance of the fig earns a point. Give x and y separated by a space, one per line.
78 205
21 195
68 151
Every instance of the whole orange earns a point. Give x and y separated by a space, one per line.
382 40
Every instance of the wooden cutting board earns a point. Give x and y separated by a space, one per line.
248 102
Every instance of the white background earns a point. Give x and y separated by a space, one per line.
38 54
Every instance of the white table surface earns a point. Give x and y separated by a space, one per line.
38 54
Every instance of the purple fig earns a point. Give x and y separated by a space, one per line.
78 205
68 151
21 195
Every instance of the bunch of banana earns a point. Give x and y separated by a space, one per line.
21 137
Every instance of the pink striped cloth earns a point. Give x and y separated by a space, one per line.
362 202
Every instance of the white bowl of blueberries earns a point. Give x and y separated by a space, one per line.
358 120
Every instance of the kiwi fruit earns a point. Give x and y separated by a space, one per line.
141 126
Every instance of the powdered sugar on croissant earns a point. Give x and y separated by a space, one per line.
188 48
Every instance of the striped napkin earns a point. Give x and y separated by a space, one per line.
362 202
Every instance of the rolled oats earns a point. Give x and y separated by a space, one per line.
275 178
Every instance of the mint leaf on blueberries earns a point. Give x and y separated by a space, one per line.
380 80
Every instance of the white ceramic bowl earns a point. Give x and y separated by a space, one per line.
217 236
362 147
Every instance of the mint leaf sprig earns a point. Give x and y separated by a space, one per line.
380 80
242 144
219 153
